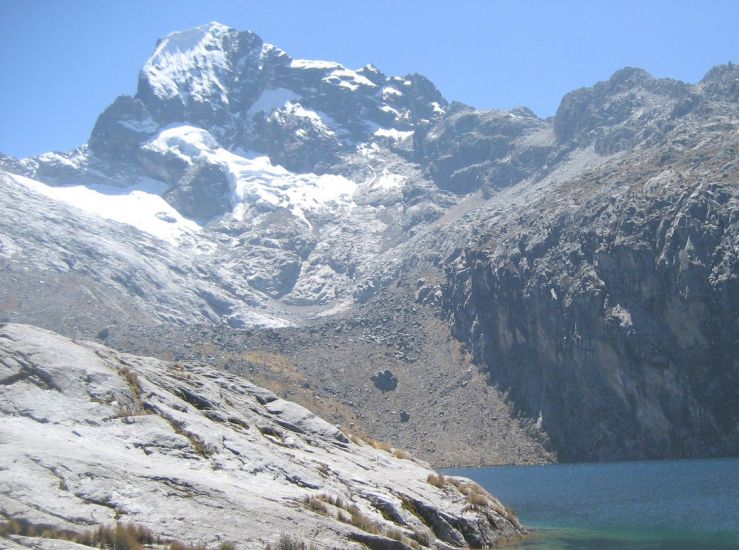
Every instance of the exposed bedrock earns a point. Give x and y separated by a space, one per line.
615 326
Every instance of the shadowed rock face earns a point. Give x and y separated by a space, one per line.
120 130
203 193
89 436
470 149
627 109
613 318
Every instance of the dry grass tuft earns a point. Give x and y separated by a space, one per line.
437 480
362 521
328 505
316 504
351 514
401 454
177 545
124 536
477 497
381 445
132 378
356 440
288 542
196 441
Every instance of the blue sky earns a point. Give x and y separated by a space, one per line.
63 61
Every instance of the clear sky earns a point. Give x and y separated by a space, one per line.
63 61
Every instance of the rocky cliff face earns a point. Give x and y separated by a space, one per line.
608 307
90 437
587 261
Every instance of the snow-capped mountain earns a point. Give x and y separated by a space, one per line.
288 163
243 188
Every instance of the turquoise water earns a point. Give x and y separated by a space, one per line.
656 505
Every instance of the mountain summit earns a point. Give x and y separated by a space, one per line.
254 96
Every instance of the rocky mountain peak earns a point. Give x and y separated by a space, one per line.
373 73
728 72
252 95
722 82
200 73
619 112
627 78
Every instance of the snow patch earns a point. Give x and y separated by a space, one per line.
8 248
400 80
271 100
315 64
185 142
190 39
146 126
388 181
140 206
388 109
251 318
368 150
271 49
322 123
346 78
255 181
76 159
622 315
392 133
193 61
390 92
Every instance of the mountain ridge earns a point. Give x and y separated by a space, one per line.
300 194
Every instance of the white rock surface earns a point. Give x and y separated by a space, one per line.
89 436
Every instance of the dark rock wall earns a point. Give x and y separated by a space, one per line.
470 149
617 324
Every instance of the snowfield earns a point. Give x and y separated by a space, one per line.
255 181
140 206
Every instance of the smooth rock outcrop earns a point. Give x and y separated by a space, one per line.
89 436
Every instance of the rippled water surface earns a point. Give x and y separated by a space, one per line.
676 504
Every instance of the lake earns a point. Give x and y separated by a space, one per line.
654 505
